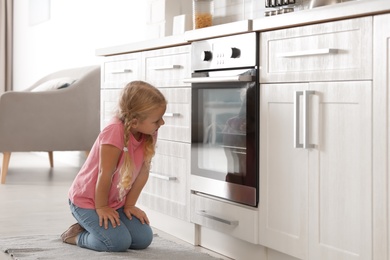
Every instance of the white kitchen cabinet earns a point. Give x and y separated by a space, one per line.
315 202
166 190
316 140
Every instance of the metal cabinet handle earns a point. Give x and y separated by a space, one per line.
297 113
169 67
203 213
307 53
122 71
305 119
172 115
162 177
306 95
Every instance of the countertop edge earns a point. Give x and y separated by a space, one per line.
168 41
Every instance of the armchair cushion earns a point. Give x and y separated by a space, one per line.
54 84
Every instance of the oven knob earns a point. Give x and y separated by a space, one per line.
207 56
235 53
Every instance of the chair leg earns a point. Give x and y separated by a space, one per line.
4 170
51 158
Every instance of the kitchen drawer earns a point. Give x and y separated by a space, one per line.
340 50
121 69
177 116
237 221
166 190
108 104
168 67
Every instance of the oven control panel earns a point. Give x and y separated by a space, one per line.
224 53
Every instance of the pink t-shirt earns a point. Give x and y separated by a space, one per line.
82 191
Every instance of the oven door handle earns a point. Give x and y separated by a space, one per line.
236 78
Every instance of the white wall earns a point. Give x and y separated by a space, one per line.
75 29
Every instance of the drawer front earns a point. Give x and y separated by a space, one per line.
166 190
177 116
238 221
167 67
120 70
108 104
340 50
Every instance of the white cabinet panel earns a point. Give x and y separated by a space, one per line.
283 173
120 70
340 50
177 116
316 203
340 172
108 105
237 221
167 67
166 190
381 137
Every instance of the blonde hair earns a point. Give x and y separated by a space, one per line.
138 99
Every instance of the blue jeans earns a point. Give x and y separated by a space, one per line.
131 234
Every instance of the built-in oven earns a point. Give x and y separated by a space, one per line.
225 118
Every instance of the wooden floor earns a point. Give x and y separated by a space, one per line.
34 198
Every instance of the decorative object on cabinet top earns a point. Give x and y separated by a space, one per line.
322 14
219 30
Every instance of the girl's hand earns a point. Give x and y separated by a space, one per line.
108 214
136 212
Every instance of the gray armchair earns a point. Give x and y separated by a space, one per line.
66 119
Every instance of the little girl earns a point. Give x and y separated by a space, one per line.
103 195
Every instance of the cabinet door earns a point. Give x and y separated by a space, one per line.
316 202
340 171
283 173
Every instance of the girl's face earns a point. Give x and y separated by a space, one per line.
150 124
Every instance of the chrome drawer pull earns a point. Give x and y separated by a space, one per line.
162 177
203 213
297 94
306 53
306 95
171 114
169 67
122 71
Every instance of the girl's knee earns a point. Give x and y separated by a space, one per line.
142 239
121 246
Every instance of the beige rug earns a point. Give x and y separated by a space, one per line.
51 247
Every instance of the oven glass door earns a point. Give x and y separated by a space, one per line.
224 138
